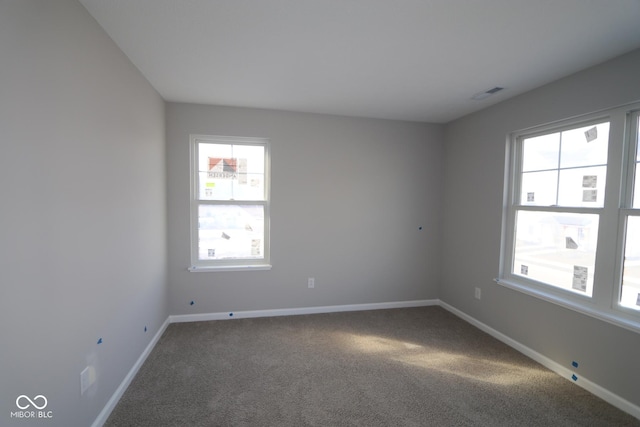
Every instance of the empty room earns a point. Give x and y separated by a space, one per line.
320 212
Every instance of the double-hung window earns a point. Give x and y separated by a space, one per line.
572 218
229 203
630 217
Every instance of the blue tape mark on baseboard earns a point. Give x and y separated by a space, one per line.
99 340
574 364
230 314
574 377
192 302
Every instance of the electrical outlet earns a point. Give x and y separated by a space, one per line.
311 282
478 293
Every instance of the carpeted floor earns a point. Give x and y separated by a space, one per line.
401 367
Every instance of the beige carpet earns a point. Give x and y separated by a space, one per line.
401 367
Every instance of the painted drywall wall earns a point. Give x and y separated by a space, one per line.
83 214
473 201
348 198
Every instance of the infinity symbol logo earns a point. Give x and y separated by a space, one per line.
31 402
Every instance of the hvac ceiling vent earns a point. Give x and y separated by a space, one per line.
482 95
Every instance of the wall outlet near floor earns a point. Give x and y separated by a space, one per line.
87 378
311 282
478 293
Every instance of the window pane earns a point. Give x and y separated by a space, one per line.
631 267
638 139
230 232
541 152
585 146
557 249
582 187
636 188
230 172
565 168
539 188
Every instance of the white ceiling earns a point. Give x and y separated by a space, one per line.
416 60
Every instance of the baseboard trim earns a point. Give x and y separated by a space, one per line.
564 372
115 398
593 388
181 318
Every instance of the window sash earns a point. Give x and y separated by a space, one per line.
516 205
630 275
628 291
556 248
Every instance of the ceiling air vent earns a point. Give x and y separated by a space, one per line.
482 95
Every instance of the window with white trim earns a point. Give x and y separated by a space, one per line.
229 203
572 218
630 287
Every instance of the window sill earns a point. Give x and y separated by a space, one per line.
212 269
615 317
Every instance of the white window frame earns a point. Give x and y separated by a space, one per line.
627 190
604 303
240 264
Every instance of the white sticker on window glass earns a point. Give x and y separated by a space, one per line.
242 171
224 168
255 247
580 277
638 300
591 134
530 197
589 195
524 270
570 243
589 181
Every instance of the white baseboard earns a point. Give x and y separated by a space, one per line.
592 387
113 401
298 311
564 372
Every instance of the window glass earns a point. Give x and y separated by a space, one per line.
636 194
230 172
585 146
582 186
539 188
631 267
636 197
566 168
556 248
230 232
540 152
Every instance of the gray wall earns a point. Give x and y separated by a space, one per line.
474 181
83 222
348 196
